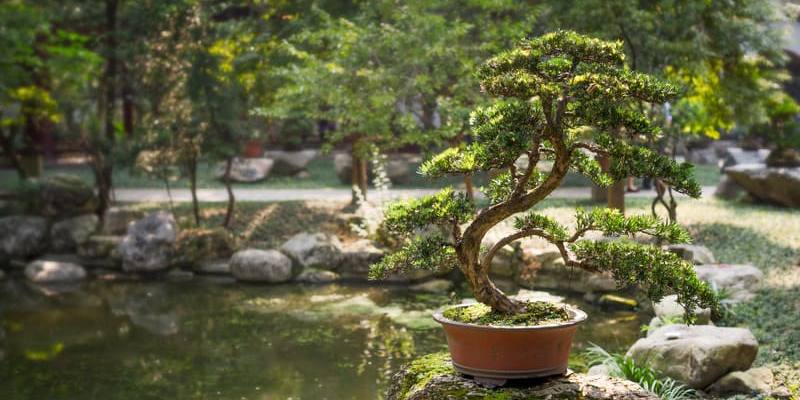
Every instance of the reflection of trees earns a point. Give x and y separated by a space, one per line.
385 344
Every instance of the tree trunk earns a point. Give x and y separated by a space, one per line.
469 188
486 291
231 199
192 164
6 145
616 196
363 180
104 172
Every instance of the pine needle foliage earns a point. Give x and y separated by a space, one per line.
565 98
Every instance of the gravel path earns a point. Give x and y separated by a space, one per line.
272 195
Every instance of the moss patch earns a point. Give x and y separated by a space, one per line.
422 370
536 313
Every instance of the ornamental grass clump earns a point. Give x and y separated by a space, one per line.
563 98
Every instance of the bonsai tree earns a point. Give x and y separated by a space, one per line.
565 98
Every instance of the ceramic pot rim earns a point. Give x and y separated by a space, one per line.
578 317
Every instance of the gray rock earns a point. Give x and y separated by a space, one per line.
433 286
68 234
261 266
313 275
314 250
694 253
552 274
738 156
45 271
669 309
214 267
740 281
179 275
22 236
398 167
535 295
706 156
101 247
357 257
779 186
696 355
755 381
148 246
117 219
247 170
599 370
290 162
62 195
727 189
432 377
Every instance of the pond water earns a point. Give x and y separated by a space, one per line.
214 339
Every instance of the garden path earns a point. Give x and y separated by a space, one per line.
130 195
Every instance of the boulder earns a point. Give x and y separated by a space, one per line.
213 267
739 281
433 286
668 309
148 246
46 271
738 156
704 156
117 219
433 377
693 253
552 274
290 162
60 195
22 236
754 381
314 250
696 355
193 246
357 257
727 189
101 247
780 186
313 275
398 167
66 235
261 266
247 170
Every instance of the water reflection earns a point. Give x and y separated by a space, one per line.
155 340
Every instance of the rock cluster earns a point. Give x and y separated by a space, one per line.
148 246
779 186
432 377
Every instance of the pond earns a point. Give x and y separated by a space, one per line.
215 339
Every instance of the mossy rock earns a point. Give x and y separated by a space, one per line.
195 245
432 377
59 196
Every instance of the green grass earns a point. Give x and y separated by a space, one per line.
321 171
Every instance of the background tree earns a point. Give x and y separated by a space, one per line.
564 97
721 52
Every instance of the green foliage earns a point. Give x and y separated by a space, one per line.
658 271
428 253
650 380
446 207
548 225
500 187
612 222
629 160
589 167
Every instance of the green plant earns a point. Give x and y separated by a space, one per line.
624 367
564 97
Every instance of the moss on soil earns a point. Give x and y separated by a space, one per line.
536 313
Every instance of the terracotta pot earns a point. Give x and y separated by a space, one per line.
510 352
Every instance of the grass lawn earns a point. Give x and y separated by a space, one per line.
321 171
